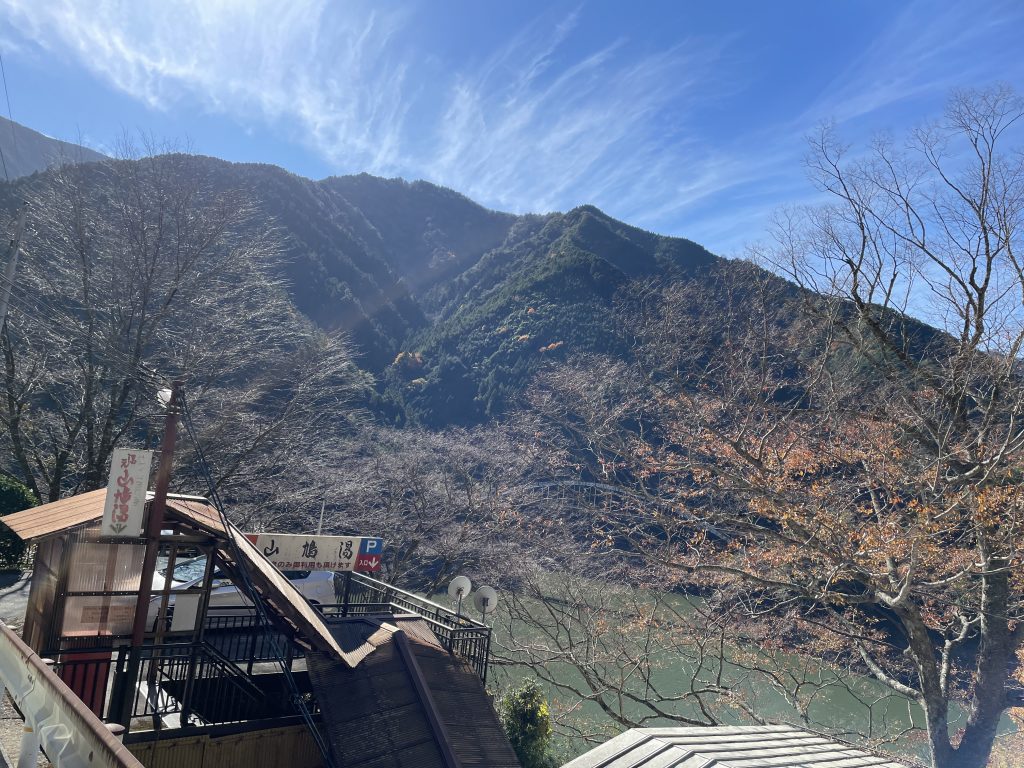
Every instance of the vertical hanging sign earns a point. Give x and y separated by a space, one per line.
126 493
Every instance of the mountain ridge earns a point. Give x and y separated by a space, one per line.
453 307
26 151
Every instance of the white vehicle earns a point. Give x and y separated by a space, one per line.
225 598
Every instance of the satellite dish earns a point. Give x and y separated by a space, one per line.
485 600
457 590
459 587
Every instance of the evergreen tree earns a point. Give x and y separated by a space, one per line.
14 497
527 722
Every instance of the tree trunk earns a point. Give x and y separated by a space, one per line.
995 655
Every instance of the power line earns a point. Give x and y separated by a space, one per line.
256 598
14 137
115 360
3 72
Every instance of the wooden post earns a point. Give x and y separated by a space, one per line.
155 521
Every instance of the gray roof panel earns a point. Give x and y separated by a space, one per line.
759 746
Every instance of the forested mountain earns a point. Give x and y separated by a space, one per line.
545 293
836 481
451 306
26 151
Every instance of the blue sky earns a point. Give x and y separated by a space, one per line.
686 118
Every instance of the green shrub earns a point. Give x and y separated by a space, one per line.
14 497
527 722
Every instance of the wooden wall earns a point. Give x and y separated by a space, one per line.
290 746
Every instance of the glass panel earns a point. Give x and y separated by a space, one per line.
188 570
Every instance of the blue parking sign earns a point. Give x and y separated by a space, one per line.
371 547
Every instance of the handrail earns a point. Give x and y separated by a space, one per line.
55 718
187 663
460 635
230 670
438 609
170 674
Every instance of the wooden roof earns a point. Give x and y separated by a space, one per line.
57 516
74 511
283 598
750 746
286 603
408 703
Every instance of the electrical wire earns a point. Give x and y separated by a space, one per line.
275 639
14 137
114 360
7 96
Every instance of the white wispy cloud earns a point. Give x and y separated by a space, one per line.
528 128
930 47
545 120
329 76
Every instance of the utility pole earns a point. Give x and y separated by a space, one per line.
12 264
125 689
155 520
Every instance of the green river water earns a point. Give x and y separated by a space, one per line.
856 706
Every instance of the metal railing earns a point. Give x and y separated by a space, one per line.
244 639
191 680
212 680
458 634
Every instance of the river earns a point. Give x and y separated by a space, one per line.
840 703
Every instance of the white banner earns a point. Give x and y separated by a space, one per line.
291 552
126 493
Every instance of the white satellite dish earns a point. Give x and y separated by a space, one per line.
459 587
485 600
457 590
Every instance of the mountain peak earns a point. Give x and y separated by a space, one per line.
26 151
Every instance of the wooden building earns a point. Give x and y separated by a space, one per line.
379 676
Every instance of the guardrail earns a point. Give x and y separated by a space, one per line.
364 590
56 720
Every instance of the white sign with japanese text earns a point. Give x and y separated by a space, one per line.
126 493
289 551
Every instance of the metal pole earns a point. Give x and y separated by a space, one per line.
155 521
348 587
154 524
12 264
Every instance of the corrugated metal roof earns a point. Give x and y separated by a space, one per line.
750 746
64 514
201 513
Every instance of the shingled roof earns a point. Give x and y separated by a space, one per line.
752 746
408 703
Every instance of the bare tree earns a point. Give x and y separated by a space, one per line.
854 469
137 272
440 500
